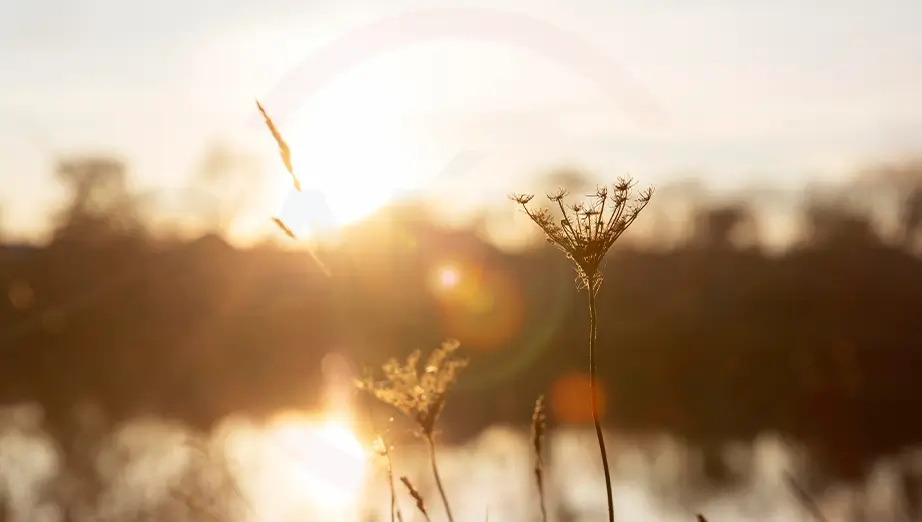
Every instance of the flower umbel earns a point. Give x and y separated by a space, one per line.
586 232
419 395
588 229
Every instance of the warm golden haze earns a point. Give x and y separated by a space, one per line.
322 306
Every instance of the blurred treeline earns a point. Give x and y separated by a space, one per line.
710 335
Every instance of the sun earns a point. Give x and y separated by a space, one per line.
326 462
352 150
345 177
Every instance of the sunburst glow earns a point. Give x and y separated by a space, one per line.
349 145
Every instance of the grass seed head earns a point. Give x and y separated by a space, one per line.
420 503
284 150
419 395
538 426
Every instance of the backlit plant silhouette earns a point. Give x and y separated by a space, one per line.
421 396
585 233
380 448
285 154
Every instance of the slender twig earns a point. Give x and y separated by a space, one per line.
384 451
438 479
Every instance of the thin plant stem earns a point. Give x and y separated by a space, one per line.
592 288
540 480
386 453
395 511
438 480
585 235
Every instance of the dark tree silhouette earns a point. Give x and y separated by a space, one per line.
911 219
724 227
715 342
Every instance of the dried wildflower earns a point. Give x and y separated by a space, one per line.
587 230
420 397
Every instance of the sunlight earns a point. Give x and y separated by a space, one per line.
350 145
344 181
327 460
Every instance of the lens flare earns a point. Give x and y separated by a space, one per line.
448 277
569 399
489 309
481 305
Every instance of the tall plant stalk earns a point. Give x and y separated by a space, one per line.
438 479
421 396
594 405
585 232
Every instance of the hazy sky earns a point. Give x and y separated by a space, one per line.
767 92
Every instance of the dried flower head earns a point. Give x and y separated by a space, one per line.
420 396
588 229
